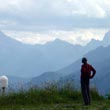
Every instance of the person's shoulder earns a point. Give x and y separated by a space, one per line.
89 65
82 65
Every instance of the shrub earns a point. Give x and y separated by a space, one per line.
95 95
49 95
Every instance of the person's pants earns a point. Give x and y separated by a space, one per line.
85 91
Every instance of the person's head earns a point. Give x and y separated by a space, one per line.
84 60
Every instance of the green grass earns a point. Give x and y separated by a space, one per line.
102 105
52 98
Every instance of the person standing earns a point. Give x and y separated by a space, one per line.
87 73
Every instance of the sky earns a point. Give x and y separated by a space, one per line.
40 21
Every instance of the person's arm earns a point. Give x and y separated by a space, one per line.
93 72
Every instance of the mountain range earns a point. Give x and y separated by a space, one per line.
98 57
54 60
18 59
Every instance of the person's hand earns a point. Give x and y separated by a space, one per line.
91 76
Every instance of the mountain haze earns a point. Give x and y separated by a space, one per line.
18 59
99 58
25 60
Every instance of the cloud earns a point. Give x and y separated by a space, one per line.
76 36
94 8
40 21
58 14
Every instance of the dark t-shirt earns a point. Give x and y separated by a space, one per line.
86 70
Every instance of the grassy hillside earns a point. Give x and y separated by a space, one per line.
51 98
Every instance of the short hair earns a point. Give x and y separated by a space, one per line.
84 60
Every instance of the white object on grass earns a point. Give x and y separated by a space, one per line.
3 81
